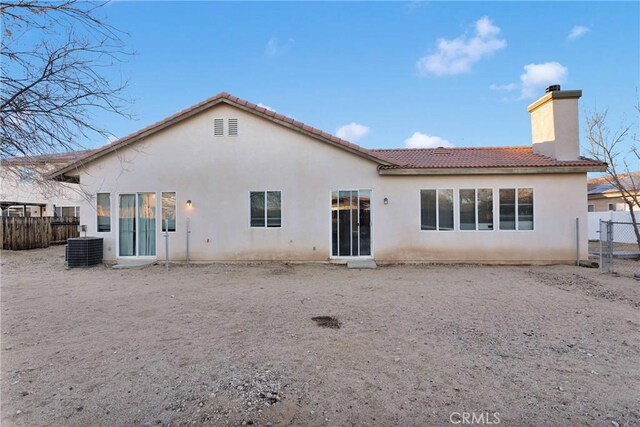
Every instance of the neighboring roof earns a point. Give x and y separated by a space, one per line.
392 161
52 158
602 185
475 157
220 98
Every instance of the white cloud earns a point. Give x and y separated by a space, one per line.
537 76
352 132
275 48
111 138
577 31
456 56
413 5
422 140
266 107
506 87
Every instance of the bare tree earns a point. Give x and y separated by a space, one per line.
619 149
53 56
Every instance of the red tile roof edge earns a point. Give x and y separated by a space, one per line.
496 147
565 163
383 162
209 102
453 158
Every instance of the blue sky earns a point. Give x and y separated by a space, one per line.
383 74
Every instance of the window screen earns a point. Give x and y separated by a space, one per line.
436 210
266 209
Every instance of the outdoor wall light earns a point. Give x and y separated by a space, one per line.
189 203
386 201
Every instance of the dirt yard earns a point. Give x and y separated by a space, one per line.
231 344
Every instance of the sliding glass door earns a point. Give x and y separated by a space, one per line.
137 224
147 224
127 225
351 223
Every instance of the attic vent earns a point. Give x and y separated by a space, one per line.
218 127
233 127
441 151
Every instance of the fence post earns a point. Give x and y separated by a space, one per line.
606 246
600 246
610 245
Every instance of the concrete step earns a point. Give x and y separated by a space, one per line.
134 263
362 263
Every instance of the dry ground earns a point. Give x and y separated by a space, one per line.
233 344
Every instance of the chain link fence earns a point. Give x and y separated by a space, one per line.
617 250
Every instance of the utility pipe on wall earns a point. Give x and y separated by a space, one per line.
166 244
188 232
578 242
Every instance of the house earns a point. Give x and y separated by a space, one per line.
227 180
604 196
24 191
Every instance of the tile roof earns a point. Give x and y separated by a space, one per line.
602 185
52 158
474 157
210 102
437 158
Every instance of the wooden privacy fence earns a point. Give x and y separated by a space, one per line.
18 233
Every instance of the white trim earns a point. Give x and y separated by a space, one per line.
251 227
118 256
517 220
110 213
493 209
159 201
371 226
453 208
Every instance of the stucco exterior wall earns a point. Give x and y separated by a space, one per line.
217 174
555 128
558 201
602 202
49 193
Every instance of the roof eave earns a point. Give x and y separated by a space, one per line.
58 175
359 152
491 170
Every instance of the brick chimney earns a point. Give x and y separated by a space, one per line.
554 124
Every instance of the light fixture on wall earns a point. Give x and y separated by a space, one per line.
386 201
189 203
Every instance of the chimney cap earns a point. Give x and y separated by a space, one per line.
552 88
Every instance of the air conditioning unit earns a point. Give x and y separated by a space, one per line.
84 251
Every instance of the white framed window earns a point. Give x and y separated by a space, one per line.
265 209
591 208
476 209
516 208
168 200
616 206
436 210
66 211
103 211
